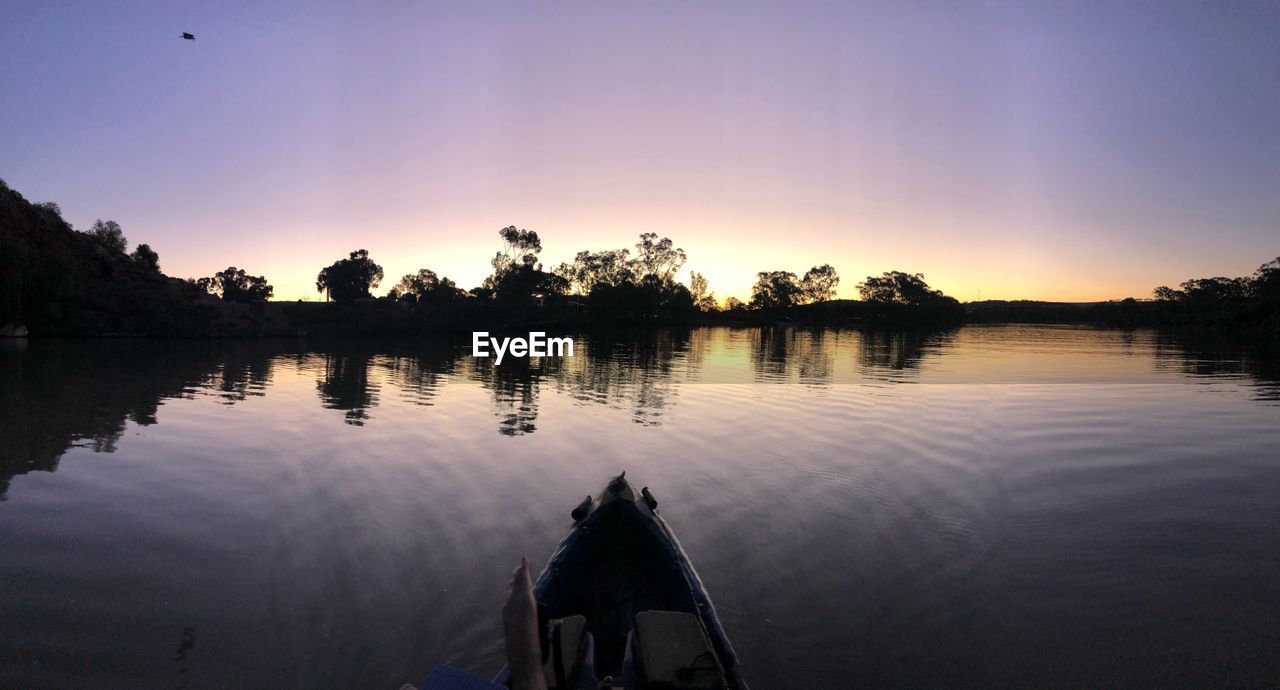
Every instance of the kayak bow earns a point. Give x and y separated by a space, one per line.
623 605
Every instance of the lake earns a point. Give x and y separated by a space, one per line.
986 506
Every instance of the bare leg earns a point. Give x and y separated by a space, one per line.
520 628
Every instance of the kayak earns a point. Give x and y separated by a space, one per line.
620 606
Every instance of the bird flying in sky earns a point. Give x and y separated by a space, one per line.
189 37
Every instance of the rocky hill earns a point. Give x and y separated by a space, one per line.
57 281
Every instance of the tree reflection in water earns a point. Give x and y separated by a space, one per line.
55 395
633 371
788 353
515 386
345 385
899 350
60 394
242 373
1211 354
418 373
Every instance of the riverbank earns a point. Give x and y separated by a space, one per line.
208 317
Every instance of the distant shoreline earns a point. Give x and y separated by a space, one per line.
355 322
57 281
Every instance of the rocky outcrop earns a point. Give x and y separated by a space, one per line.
57 281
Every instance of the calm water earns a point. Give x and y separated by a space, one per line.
991 506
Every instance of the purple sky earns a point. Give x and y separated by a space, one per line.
1057 150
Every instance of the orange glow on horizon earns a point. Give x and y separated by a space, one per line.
969 273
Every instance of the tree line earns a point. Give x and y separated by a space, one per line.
1247 301
632 282
76 285
1264 284
617 277
641 282
232 284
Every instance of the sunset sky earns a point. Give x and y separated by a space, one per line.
1048 150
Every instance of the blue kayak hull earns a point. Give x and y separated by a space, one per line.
621 558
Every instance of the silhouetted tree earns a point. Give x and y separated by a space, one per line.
448 290
646 298
109 235
819 283
520 248
775 290
624 301
901 288
235 285
207 284
676 299
589 269
349 279
1215 290
1265 283
145 256
50 207
424 286
734 304
1253 300
703 299
522 283
239 286
619 286
658 257
517 277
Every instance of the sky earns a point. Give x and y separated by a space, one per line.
1046 150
